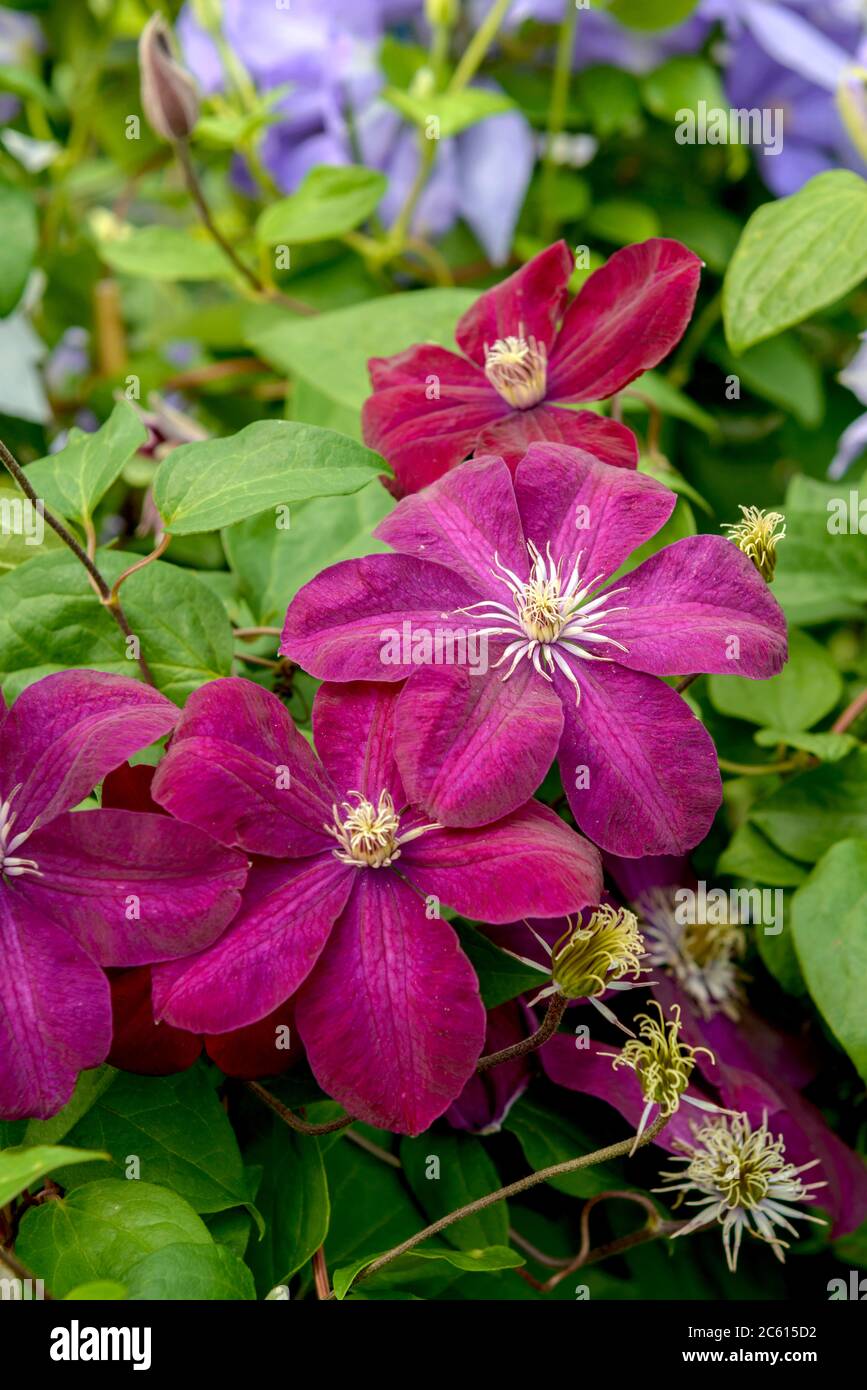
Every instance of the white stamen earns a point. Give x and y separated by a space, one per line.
11 865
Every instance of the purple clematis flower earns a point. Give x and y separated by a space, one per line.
342 905
90 889
522 571
527 355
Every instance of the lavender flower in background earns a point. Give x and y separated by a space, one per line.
20 40
324 55
853 441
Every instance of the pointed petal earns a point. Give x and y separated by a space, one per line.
474 748
271 946
529 303
65 732
512 436
55 1012
354 727
463 521
530 864
340 626
132 887
584 507
627 789
391 1018
699 605
628 315
238 768
427 408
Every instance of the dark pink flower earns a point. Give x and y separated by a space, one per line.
527 357
571 666
93 888
342 909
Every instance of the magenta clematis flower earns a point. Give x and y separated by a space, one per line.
342 907
83 890
526 357
563 664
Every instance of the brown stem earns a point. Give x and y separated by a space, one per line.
257 660
624 1149
99 584
291 1119
686 681
257 632
851 713
140 564
550 1024
320 1274
19 1270
652 1224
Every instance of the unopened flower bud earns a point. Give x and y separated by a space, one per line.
586 960
169 95
757 536
441 12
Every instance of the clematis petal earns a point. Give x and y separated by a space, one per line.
606 439
530 864
494 165
528 304
55 1011
487 1098
139 1044
627 316
354 728
270 947
238 768
639 769
133 887
65 732
265 1048
585 508
342 624
391 1017
699 605
427 408
474 748
463 521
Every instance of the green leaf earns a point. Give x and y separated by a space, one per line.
24 535
192 1273
829 920
273 562
669 400
679 85
808 686
828 748
622 221
408 1267
611 99
651 14
88 1088
98 1290
782 372
371 1209
76 479
293 1200
454 111
547 1138
102 1230
822 567
18 245
201 487
332 350
501 975
815 809
50 620
711 233
796 256
165 253
25 1167
179 1132
751 857
460 1172
329 202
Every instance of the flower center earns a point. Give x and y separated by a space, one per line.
11 866
517 368
549 615
367 835
701 956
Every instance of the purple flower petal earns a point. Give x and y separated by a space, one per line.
607 440
473 748
238 768
338 624
584 508
486 1099
55 1012
494 164
531 864
65 732
528 304
270 948
133 887
354 727
391 1017
699 605
627 790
